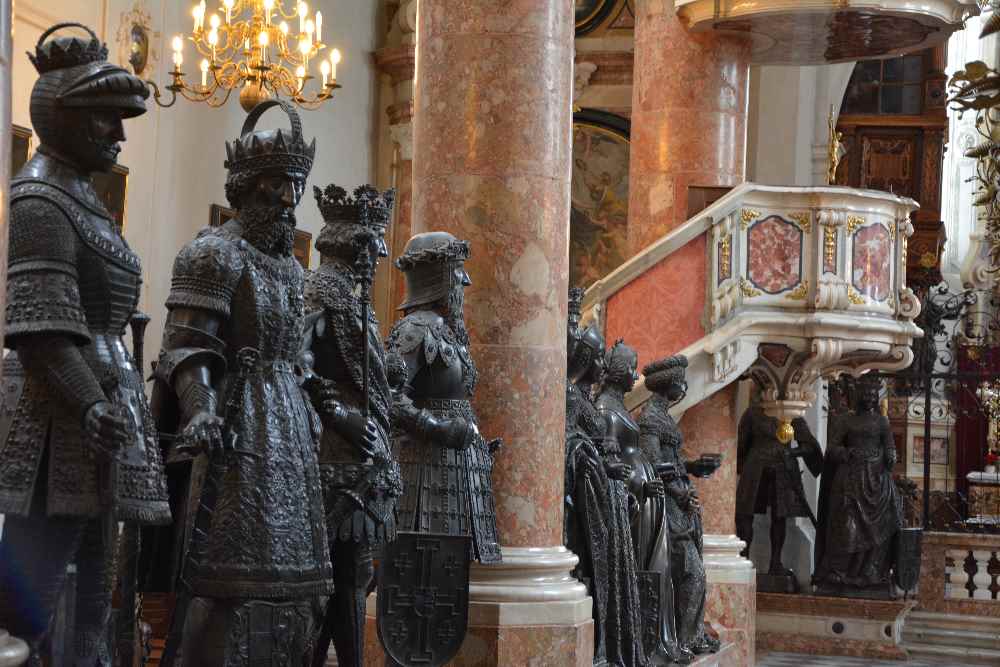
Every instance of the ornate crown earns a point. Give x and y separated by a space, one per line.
575 302
367 207
64 52
276 150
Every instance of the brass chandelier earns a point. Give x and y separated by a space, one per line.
259 48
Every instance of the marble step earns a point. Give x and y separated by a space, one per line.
948 638
952 655
952 637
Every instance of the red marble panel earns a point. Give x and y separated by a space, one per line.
731 611
871 270
774 254
710 428
660 312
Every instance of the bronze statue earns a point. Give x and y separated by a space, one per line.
860 508
361 481
650 525
660 441
257 566
586 505
770 479
79 451
446 464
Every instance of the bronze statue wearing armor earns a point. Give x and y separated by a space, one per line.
258 563
860 508
446 464
627 643
770 478
78 451
650 528
661 441
361 481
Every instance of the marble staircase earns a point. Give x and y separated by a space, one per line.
948 639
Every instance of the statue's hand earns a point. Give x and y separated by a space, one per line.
618 471
107 426
456 433
691 503
653 488
352 425
202 434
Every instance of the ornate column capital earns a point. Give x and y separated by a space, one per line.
399 62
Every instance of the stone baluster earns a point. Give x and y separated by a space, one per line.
957 577
982 580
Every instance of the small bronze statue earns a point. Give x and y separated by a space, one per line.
79 451
258 566
770 479
446 464
860 508
661 441
637 633
361 481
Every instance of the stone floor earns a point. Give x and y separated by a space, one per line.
803 660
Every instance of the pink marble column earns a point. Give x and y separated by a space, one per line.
491 152
491 164
689 118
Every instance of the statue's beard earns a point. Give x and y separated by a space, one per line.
270 229
456 314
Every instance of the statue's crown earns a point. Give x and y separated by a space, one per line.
64 52
278 150
575 301
367 206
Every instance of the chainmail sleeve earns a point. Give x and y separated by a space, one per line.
43 296
206 273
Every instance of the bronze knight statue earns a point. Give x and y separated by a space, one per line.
770 479
361 481
257 567
78 451
661 441
446 464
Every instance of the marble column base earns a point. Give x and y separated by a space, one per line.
731 607
13 651
527 610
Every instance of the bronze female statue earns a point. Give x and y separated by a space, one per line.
661 441
650 528
860 509
79 451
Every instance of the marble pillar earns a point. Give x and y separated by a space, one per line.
491 164
689 118
13 651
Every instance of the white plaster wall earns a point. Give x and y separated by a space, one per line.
175 156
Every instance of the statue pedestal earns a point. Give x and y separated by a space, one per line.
831 625
13 651
777 583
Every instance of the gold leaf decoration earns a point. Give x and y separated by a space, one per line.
854 297
853 222
803 219
799 293
748 289
747 216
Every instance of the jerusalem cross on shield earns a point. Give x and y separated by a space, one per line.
423 598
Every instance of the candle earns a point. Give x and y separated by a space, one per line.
178 45
263 40
334 59
301 74
283 27
213 40
303 10
324 69
228 4
268 7
204 73
178 59
214 21
319 26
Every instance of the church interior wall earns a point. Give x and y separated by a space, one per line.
175 156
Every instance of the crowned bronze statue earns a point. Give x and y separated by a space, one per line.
257 566
860 508
446 464
361 480
79 451
661 441
650 525
596 520
627 639
770 479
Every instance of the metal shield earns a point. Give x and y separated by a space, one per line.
906 570
423 597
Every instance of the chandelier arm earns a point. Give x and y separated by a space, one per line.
156 95
222 102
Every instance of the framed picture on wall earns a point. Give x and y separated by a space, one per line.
112 188
20 148
939 450
302 245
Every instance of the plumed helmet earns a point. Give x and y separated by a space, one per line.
74 72
282 151
428 263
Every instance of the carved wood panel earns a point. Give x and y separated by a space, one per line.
887 164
